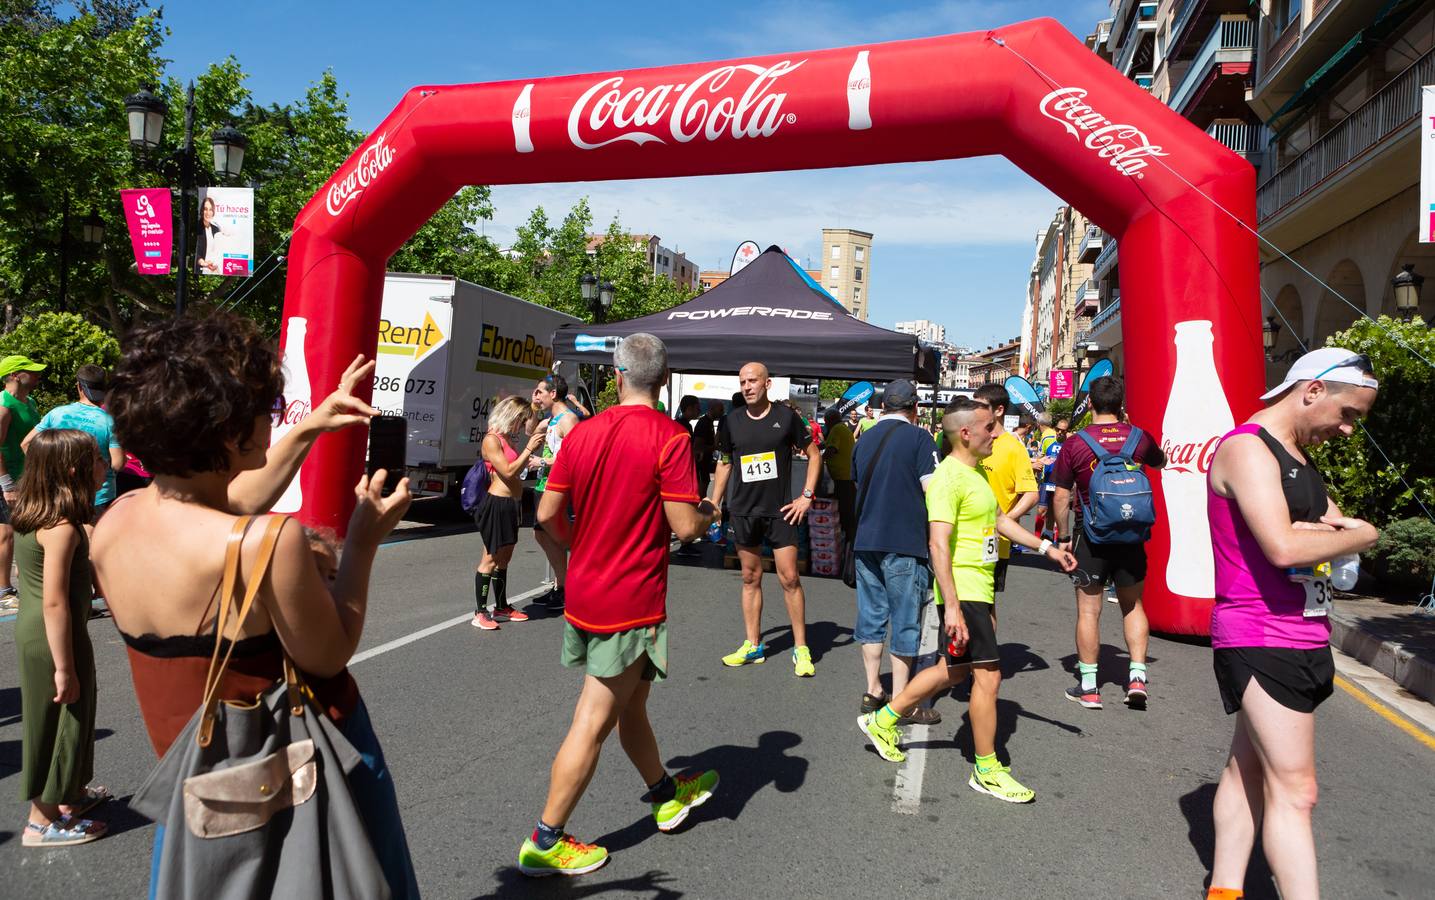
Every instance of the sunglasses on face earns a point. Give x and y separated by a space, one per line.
276 414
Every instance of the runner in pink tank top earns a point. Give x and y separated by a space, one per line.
1271 521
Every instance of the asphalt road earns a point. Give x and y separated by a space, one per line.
469 721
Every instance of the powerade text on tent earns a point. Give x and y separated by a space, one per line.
1119 507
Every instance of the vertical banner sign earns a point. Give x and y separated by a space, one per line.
225 245
1426 229
147 210
746 252
1063 384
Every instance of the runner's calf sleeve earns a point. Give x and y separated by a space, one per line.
481 582
500 588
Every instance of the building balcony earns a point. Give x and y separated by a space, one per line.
1105 260
1141 36
1105 328
1090 247
1228 50
1383 120
1291 56
1088 298
1245 138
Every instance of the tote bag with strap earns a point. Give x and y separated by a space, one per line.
254 797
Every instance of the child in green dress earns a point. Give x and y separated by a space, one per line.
57 664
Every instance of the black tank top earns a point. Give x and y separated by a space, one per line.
1301 483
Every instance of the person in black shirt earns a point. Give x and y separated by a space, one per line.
757 441
705 443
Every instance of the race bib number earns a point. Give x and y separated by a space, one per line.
989 544
759 466
1317 597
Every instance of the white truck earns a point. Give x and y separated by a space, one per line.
448 350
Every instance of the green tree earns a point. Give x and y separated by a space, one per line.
832 389
63 342
1358 475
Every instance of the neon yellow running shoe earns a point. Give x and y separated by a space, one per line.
884 739
567 857
693 791
802 662
746 655
999 783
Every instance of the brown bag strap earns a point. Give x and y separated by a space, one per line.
251 591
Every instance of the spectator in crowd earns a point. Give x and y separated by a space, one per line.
837 447
498 515
1047 453
558 420
705 443
88 415
57 664
18 415
159 551
893 469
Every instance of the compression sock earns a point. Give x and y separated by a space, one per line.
1088 675
887 716
1138 672
545 835
987 763
481 581
500 588
664 790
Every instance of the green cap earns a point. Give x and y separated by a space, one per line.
18 363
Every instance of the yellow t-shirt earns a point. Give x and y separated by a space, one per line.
960 494
839 464
1009 473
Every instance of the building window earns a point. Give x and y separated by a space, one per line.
856 293
860 254
836 251
857 273
834 274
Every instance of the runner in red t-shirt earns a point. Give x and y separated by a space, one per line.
629 476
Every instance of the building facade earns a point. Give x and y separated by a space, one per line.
673 265
925 330
846 265
1061 298
711 278
994 365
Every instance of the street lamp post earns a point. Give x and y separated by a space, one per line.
146 112
1407 291
1269 332
598 296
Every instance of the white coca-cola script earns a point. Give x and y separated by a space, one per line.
703 107
1194 456
375 159
1125 147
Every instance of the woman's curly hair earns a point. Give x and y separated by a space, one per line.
186 387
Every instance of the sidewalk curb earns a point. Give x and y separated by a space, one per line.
1389 658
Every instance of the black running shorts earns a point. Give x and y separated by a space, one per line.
981 635
1296 679
1097 565
497 521
751 531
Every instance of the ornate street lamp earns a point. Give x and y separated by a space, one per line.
1407 291
1269 332
228 146
146 116
92 229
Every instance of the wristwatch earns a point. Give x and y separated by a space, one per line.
808 494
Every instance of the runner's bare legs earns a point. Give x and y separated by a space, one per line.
785 559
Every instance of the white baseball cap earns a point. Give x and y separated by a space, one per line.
1328 364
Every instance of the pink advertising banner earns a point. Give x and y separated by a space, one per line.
147 210
1063 384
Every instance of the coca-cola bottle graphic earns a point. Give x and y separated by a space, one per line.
859 92
297 400
1197 416
522 142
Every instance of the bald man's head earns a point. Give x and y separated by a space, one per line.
754 381
754 369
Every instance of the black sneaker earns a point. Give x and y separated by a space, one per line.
872 703
922 715
553 600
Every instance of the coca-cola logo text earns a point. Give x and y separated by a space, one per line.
1182 457
859 84
296 412
1125 147
375 159
702 107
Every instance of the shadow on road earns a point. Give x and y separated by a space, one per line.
1112 665
745 771
1008 712
514 884
821 638
9 705
1201 831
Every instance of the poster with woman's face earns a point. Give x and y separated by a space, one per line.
225 243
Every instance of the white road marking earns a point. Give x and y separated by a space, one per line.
907 791
435 629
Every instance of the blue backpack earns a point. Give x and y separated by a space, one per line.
1120 508
475 487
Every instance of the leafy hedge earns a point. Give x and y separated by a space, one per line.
63 342
1404 557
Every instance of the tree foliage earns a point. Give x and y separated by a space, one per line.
1358 475
63 342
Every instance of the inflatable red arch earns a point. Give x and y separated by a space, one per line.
1030 92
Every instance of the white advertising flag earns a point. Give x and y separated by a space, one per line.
225 243
1426 228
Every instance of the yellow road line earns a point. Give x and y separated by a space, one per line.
1385 712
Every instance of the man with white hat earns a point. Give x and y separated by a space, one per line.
18 415
1274 533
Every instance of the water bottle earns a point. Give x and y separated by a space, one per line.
715 533
1345 571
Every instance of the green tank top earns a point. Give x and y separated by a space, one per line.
24 416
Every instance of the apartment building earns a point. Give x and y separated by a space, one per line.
925 330
1061 297
846 264
1337 84
994 365
673 265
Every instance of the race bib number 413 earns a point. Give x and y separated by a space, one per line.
759 466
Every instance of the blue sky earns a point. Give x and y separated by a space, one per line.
953 240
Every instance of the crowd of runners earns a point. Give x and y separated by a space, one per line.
928 518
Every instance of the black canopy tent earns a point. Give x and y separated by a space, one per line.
771 312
